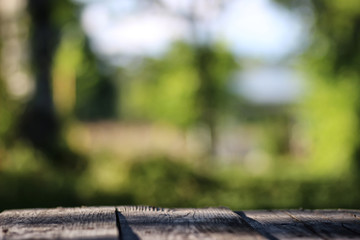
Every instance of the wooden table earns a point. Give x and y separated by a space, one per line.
140 222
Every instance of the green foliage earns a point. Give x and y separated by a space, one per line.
67 63
214 66
171 89
160 181
329 114
164 89
9 114
336 121
6 114
25 173
65 12
338 27
169 183
96 94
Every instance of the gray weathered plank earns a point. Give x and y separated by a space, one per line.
296 224
277 225
334 224
161 223
59 223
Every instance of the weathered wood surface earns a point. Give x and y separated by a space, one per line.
59 223
131 222
163 223
305 224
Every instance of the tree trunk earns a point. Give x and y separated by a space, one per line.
39 123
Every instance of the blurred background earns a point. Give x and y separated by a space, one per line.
180 103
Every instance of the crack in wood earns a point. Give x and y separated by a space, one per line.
349 229
308 226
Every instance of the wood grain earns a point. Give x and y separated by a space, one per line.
59 223
133 223
308 224
278 225
162 223
334 224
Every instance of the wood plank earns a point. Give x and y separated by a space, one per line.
59 223
277 225
309 224
162 223
335 224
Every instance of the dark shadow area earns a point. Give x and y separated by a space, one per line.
256 226
125 231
